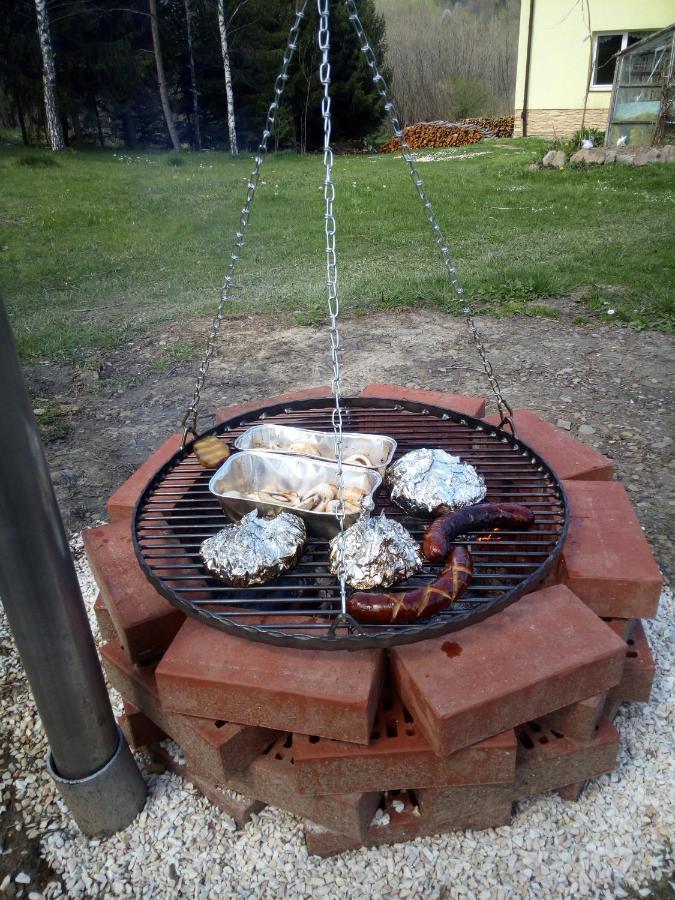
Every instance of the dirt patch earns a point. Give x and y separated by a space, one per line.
609 385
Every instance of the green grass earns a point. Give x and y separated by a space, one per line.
106 244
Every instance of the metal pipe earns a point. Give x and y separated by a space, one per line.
44 606
528 64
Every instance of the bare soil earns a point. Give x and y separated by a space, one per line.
609 385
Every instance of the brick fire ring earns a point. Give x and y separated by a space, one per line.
441 735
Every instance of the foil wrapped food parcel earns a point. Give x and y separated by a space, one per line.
376 553
256 549
424 480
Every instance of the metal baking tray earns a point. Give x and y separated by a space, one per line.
258 470
280 438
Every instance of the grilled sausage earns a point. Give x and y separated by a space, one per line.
441 532
423 602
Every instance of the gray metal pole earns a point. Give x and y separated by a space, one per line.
43 603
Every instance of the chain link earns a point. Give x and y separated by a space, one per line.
189 420
323 9
505 410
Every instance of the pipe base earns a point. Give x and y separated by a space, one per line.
107 800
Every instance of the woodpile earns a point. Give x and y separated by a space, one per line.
499 126
425 135
434 134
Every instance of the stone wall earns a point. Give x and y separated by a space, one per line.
558 123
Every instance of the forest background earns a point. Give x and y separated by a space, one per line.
445 58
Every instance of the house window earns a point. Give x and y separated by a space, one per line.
605 48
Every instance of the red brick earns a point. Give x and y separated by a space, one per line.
334 694
271 778
226 413
106 629
614 701
572 791
145 621
220 748
542 653
576 721
122 503
136 684
237 806
567 456
406 825
606 558
461 801
548 761
216 748
470 406
138 729
621 627
638 672
397 755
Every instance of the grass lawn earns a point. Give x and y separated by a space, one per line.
99 243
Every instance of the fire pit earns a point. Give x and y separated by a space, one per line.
176 513
436 734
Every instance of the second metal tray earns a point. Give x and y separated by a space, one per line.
273 438
255 470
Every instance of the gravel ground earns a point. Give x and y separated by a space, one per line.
615 842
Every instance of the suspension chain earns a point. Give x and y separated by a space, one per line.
323 8
189 420
505 411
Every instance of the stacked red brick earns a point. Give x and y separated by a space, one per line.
437 736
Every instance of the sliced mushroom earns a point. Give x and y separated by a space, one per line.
357 459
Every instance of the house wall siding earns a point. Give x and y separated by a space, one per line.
561 57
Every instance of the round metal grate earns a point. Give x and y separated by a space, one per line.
176 513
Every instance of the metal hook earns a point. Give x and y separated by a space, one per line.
344 620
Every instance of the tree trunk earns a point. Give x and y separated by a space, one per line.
97 116
20 116
129 129
53 122
161 78
77 130
229 93
197 134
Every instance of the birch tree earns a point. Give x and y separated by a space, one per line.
161 77
229 93
54 129
193 75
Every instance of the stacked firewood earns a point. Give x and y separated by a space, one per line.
500 126
434 134
452 134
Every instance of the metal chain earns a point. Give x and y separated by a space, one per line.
505 410
332 282
189 420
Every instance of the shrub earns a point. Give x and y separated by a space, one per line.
36 161
571 145
469 97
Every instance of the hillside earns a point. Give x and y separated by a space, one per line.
451 58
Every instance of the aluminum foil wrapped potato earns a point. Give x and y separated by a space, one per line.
377 553
256 549
424 481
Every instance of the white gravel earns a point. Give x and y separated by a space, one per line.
615 842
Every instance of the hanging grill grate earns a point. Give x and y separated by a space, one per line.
177 512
